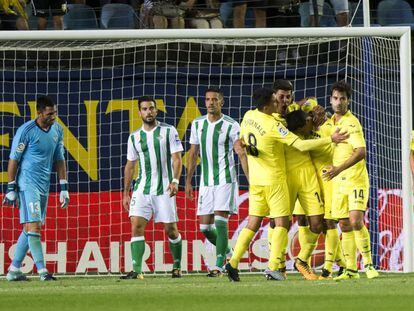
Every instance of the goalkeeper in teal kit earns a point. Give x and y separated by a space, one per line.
37 146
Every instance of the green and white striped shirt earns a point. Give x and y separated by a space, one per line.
153 151
216 141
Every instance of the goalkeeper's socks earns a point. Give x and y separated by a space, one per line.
21 250
176 246
363 243
331 247
222 241
242 244
350 250
137 251
278 248
307 242
36 249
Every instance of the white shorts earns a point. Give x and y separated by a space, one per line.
163 207
218 198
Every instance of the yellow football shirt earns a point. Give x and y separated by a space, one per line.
296 159
265 136
412 141
357 175
322 157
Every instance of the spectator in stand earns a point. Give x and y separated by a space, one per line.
162 14
98 4
340 7
203 14
283 13
13 15
41 11
240 8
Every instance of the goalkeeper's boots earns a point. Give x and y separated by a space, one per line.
215 272
46 276
348 275
274 275
16 276
305 270
176 273
325 275
371 272
132 275
232 273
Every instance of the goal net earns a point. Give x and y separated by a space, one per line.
96 78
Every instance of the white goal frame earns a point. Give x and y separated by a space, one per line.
405 79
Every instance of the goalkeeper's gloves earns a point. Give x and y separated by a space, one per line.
64 194
11 194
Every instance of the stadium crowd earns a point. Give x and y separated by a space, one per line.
163 14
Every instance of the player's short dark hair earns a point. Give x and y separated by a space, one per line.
262 97
296 119
215 90
282 84
146 99
44 101
343 87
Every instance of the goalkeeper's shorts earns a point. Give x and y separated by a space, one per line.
32 206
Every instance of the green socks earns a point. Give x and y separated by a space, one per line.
176 246
137 251
222 240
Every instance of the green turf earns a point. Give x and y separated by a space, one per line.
253 293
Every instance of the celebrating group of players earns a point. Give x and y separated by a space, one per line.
296 159
301 162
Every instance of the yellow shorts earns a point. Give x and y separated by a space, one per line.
298 209
269 201
326 191
304 187
345 199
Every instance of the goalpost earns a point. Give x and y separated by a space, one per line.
96 78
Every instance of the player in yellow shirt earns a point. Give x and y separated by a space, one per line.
304 189
322 158
264 136
350 184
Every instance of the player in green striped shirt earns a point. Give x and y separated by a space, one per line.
157 148
213 136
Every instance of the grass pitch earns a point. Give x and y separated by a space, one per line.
197 292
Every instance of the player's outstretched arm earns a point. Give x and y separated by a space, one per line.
240 149
357 155
11 192
312 144
177 164
128 176
63 180
191 166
